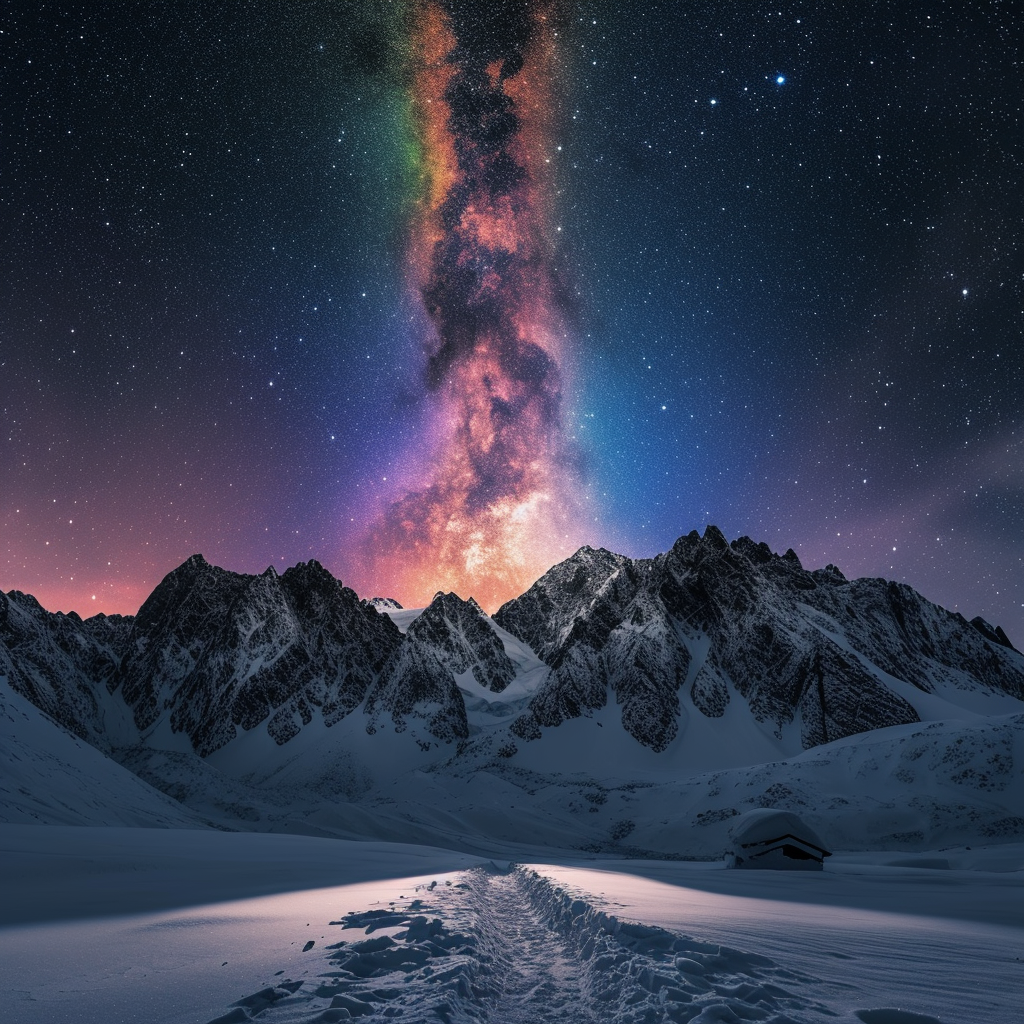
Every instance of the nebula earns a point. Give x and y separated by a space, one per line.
500 498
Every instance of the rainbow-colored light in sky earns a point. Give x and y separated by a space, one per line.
288 285
499 499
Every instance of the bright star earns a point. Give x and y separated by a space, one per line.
781 80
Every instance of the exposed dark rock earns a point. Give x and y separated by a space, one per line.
462 637
217 650
990 632
794 644
59 662
709 693
447 639
416 684
692 631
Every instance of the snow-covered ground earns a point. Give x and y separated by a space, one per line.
135 928
280 883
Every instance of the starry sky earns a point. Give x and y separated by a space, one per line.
786 240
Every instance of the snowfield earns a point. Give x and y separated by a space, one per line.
135 932
261 799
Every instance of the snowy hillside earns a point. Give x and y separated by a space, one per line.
64 665
577 942
52 777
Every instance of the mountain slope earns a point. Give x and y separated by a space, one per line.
212 652
52 777
721 621
63 664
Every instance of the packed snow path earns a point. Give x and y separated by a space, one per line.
491 946
539 976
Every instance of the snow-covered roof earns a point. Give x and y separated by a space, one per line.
766 825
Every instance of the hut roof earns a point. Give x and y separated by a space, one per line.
765 826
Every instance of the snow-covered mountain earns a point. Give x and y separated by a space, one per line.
450 638
711 622
612 689
213 652
63 665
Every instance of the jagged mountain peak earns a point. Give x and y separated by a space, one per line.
449 643
23 600
452 600
993 633
554 605
460 634
306 579
311 570
449 600
213 651
59 662
713 654
711 620
714 537
707 630
107 618
756 551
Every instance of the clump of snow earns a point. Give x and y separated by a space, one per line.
767 823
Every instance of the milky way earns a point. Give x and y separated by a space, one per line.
283 281
500 498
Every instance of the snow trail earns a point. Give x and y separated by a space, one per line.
540 976
496 947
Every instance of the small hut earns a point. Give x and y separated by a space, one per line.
769 838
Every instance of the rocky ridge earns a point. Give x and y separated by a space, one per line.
716 620
449 638
213 654
61 663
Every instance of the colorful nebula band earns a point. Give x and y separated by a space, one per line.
499 500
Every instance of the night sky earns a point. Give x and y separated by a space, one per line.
780 247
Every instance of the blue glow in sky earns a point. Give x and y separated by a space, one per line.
797 311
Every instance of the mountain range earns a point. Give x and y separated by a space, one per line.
613 689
